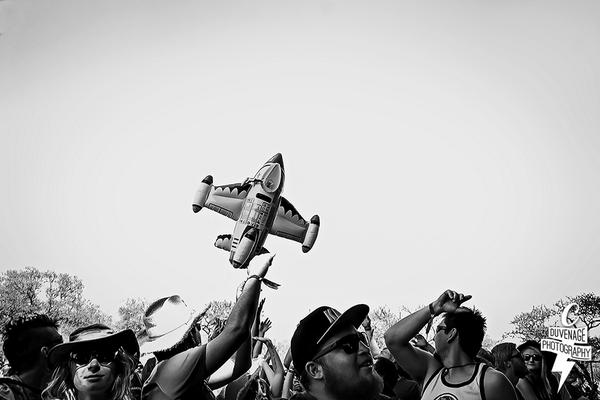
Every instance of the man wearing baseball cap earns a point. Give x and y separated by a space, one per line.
332 358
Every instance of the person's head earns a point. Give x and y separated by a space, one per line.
27 341
171 327
95 362
387 370
485 356
532 354
464 329
509 361
331 356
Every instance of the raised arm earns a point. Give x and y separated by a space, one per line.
418 363
237 328
275 375
264 326
366 324
288 383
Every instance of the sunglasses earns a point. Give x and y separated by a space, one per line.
532 357
349 344
441 328
85 357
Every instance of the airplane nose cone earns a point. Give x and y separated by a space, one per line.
277 159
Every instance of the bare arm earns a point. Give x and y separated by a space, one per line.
275 375
287 360
288 383
366 324
264 327
526 390
418 363
497 386
237 329
231 370
255 325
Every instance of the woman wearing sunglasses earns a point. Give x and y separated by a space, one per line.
537 377
96 364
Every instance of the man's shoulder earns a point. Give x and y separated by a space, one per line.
494 377
497 385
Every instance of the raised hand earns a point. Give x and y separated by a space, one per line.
450 302
264 327
366 324
260 264
265 340
419 341
260 306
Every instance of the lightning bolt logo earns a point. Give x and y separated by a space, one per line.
563 365
568 343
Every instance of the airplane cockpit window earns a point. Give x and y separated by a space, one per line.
270 177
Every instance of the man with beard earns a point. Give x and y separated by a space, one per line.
509 361
452 372
332 358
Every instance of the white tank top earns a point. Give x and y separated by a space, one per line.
437 388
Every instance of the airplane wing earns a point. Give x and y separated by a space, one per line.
227 199
288 222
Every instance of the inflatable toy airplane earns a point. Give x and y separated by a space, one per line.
259 209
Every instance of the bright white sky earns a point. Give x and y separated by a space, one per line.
444 145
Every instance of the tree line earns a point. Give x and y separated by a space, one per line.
60 296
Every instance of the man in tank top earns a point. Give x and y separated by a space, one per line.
452 372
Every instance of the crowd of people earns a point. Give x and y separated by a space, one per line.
332 356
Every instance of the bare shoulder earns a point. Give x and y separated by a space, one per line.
497 386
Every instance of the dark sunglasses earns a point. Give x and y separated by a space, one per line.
533 357
349 344
85 357
441 328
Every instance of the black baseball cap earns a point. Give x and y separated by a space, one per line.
318 326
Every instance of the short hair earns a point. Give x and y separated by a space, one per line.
503 352
470 325
21 344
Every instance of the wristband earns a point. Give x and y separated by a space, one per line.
261 279
431 317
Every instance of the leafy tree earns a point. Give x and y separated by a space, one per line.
131 314
216 316
60 296
382 318
532 324
588 308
